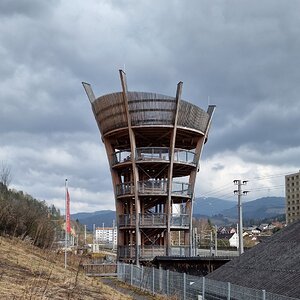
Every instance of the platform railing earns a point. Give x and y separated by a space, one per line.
153 220
182 220
121 157
126 220
126 252
181 188
151 251
124 188
154 154
150 187
153 187
184 156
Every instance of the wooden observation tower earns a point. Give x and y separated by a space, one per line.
153 144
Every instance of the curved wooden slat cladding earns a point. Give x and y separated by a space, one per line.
153 144
147 109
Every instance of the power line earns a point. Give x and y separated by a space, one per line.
216 191
271 176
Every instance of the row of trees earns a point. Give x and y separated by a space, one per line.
23 216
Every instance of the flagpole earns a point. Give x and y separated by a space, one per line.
66 230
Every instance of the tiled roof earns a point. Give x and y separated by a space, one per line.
273 265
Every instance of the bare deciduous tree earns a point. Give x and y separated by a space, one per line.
5 174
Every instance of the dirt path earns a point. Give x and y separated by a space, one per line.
127 289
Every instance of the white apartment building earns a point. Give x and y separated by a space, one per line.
106 235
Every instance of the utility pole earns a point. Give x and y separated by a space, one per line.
94 238
240 193
216 240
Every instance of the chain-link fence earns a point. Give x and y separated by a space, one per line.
181 286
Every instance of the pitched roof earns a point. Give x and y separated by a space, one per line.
273 265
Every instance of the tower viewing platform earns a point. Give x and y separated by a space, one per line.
153 144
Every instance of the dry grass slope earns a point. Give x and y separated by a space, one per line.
27 272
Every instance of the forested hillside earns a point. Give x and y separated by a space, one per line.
27 218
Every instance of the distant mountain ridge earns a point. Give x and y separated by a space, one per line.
209 206
98 218
218 210
261 208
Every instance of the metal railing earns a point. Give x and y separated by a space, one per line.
188 287
182 220
124 188
181 189
153 187
127 220
121 157
153 220
154 154
126 252
150 187
184 156
145 220
180 250
151 251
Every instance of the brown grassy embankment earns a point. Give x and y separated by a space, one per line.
27 272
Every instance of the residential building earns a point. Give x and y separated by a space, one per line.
106 235
233 238
292 197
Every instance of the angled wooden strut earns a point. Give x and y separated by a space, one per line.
134 167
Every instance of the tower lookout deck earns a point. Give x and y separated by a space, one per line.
153 144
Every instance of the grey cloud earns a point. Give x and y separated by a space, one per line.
243 57
28 8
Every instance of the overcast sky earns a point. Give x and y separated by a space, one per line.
243 56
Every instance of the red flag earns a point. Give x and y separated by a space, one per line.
68 224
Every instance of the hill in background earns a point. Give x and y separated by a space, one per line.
261 208
221 212
208 206
98 218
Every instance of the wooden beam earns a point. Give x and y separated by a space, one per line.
170 173
134 167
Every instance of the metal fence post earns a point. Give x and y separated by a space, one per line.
153 282
168 282
184 286
203 287
228 290
118 270
131 274
142 276
263 294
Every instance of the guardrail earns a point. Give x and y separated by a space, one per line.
155 187
154 154
147 220
127 220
